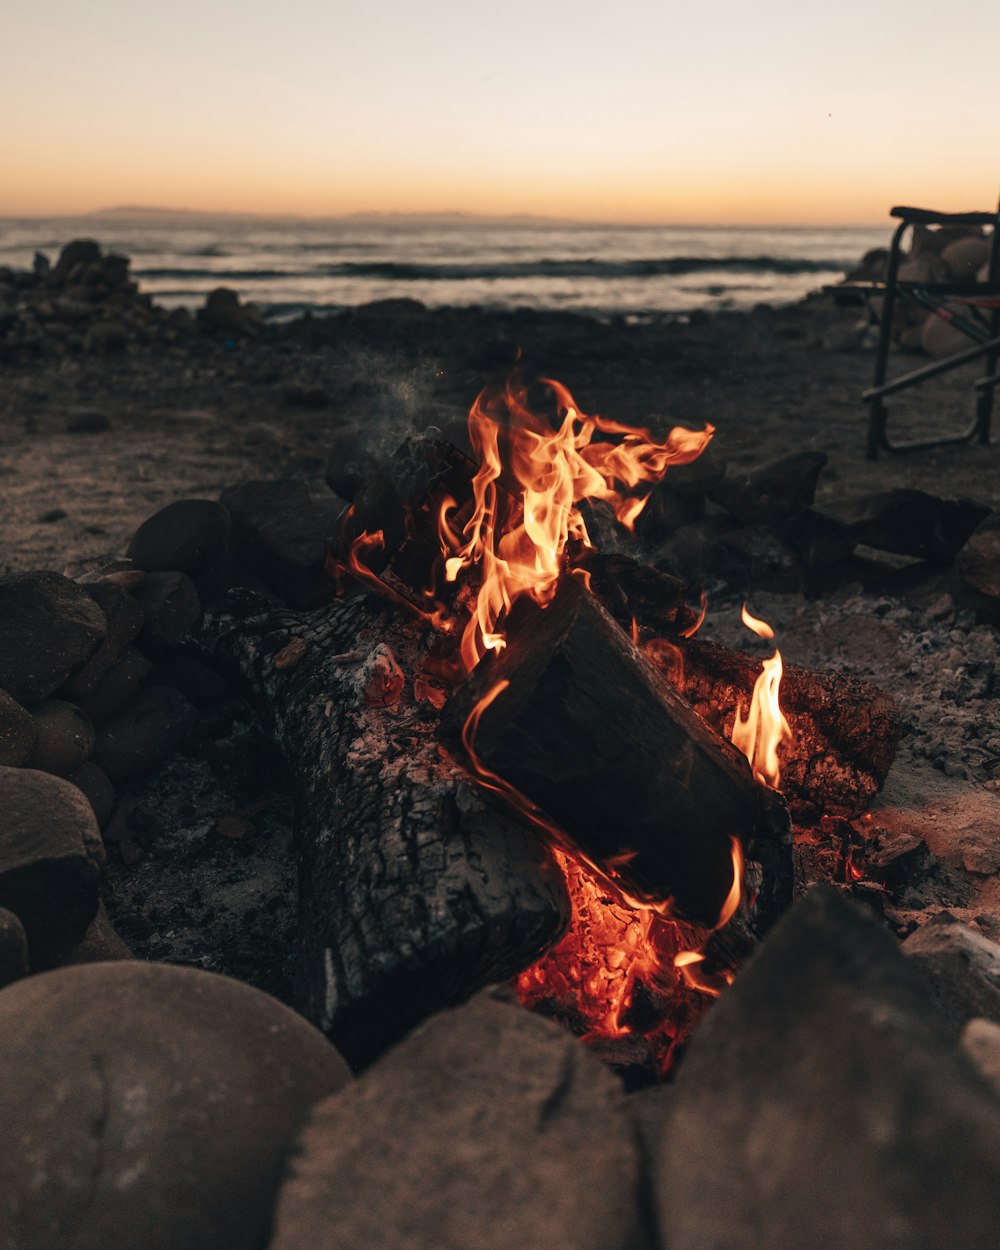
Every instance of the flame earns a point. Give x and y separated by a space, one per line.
765 728
518 537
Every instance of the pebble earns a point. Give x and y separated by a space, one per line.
88 423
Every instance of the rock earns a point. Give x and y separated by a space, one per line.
303 395
170 605
962 969
149 729
280 534
51 628
149 1107
118 687
187 535
51 856
979 560
64 737
915 523
100 943
691 552
17 732
88 423
96 788
41 266
773 491
487 1127
395 309
820 541
13 949
965 256
200 685
223 312
75 254
220 576
940 338
124 622
823 1101
981 1042
758 557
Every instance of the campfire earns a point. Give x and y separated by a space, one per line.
671 845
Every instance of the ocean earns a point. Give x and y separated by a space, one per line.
289 266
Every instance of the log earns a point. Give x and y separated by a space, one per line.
845 729
414 890
592 733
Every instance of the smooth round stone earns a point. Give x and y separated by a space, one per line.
64 737
97 789
187 535
13 948
51 628
144 733
118 686
17 732
125 620
149 1107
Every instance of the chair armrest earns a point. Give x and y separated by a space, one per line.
930 217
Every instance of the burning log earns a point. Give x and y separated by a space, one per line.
578 721
414 891
845 730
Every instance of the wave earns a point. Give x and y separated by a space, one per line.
409 271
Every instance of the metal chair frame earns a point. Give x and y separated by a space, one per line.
982 326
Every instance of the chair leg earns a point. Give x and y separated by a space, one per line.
877 419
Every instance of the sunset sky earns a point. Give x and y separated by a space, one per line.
779 111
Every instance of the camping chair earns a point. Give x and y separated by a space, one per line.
978 318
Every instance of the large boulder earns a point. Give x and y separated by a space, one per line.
148 1107
51 856
488 1127
51 628
824 1102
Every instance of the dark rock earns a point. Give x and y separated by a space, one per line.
758 557
199 684
170 605
17 732
280 534
821 541
51 857
41 266
51 628
152 727
691 553
187 535
96 789
149 1107
13 949
302 395
124 622
224 313
915 523
665 512
962 969
88 423
99 944
64 737
979 560
354 457
118 687
773 491
397 309
823 1101
220 576
488 1126
52 515
75 254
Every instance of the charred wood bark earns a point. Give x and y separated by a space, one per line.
845 729
593 734
414 891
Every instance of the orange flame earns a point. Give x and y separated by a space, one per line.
765 728
519 540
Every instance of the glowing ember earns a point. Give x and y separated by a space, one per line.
765 727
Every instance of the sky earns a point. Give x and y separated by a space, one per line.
706 111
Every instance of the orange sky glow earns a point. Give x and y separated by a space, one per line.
654 111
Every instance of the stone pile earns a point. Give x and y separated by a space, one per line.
88 303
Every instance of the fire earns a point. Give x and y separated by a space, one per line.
530 481
765 728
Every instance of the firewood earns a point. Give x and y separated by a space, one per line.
845 730
593 734
414 891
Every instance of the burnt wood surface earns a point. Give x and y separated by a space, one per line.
590 731
414 889
845 729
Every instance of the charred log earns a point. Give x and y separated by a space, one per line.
414 891
593 734
845 730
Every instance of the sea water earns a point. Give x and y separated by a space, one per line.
288 266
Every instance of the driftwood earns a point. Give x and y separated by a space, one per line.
593 734
414 890
845 730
